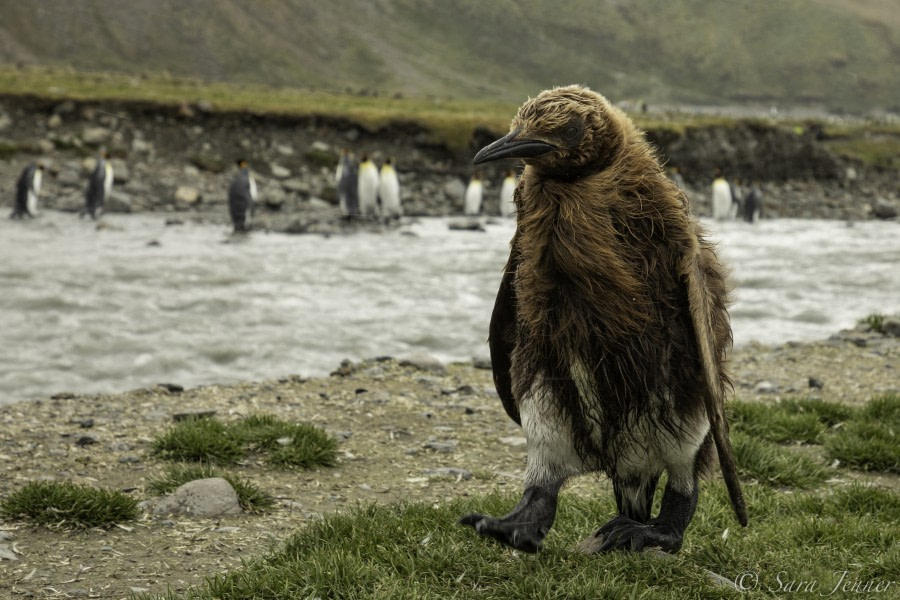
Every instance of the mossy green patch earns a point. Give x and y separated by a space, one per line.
279 442
69 505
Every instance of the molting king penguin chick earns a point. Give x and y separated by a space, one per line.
389 191
368 187
242 197
507 195
28 189
99 186
473 197
609 332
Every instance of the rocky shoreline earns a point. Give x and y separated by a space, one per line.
179 161
409 429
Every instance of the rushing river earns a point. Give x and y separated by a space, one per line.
86 310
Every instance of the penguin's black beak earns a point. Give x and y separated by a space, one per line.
510 146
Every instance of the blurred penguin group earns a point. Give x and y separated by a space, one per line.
473 199
366 191
729 201
28 189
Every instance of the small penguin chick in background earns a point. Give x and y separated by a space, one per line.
610 330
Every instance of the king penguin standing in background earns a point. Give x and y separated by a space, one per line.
346 181
609 332
28 188
242 197
507 192
389 191
368 187
473 197
722 199
99 186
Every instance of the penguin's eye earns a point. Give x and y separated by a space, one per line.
571 131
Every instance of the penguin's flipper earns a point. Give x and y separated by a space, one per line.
707 317
502 334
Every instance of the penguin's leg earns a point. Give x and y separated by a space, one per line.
551 460
525 527
666 531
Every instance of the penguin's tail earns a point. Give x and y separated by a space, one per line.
701 307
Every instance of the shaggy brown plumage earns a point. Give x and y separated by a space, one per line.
609 334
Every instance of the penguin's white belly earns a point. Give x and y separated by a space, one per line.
32 202
368 191
473 199
507 192
721 200
389 192
107 182
33 193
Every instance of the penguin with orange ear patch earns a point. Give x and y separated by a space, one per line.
609 333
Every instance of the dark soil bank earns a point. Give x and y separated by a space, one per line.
180 159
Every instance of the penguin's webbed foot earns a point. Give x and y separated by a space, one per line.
526 526
517 535
622 533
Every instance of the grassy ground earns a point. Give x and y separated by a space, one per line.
410 551
413 550
349 531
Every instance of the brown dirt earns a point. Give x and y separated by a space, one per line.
386 415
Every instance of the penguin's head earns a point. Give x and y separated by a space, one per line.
241 163
565 132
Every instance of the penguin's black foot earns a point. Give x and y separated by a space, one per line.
622 533
526 526
521 536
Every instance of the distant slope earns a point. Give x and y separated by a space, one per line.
839 53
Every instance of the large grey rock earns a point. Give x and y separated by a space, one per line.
121 174
296 185
423 362
118 202
69 177
95 135
211 497
884 209
279 172
454 189
187 195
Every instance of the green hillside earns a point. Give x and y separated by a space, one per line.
836 53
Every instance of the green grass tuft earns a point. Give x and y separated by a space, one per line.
280 442
883 409
774 465
871 441
251 498
776 423
287 444
198 440
65 504
828 413
866 446
875 321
